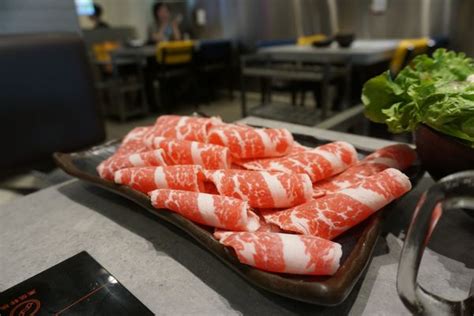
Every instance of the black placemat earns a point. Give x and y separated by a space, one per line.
76 286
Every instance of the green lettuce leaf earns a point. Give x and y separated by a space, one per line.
432 91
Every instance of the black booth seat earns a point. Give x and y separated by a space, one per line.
47 98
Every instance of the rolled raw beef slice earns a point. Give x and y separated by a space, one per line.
333 214
263 189
182 127
319 163
399 156
183 152
351 176
146 179
297 147
245 142
208 209
107 168
264 228
268 228
136 134
284 253
133 142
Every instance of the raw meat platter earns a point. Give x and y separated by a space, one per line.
291 214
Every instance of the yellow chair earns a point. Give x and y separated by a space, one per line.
102 51
406 50
308 40
173 53
174 60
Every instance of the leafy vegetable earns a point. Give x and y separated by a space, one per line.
435 91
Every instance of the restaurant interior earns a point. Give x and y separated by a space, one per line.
81 76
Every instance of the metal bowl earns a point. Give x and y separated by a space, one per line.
344 40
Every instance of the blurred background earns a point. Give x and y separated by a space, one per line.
81 72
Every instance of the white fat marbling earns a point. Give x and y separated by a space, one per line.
297 259
118 176
367 197
278 192
299 222
334 254
206 208
248 252
136 160
253 221
196 153
268 145
160 178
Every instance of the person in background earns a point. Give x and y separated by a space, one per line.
162 28
96 17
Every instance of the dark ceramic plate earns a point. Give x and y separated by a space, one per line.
357 243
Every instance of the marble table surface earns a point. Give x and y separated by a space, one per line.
173 275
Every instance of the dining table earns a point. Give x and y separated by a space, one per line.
144 52
333 62
173 275
360 52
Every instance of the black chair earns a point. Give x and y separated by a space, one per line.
267 86
174 72
47 99
213 60
122 88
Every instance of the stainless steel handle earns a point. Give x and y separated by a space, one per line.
451 193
